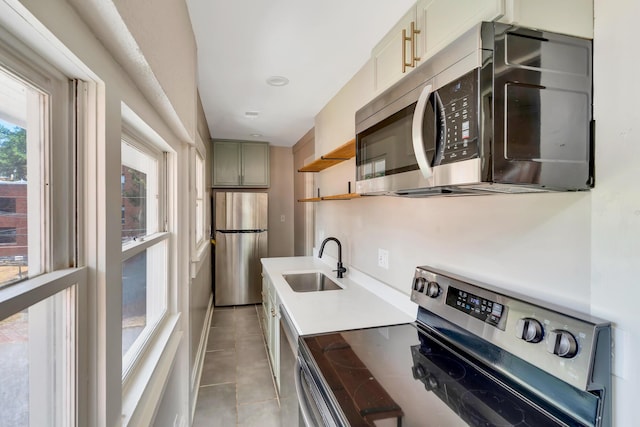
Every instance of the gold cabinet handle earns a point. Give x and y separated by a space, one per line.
405 39
414 45
412 42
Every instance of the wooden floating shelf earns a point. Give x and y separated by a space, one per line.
340 154
341 196
332 158
348 196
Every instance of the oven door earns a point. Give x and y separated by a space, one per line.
314 410
289 408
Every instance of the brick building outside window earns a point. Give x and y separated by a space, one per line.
13 229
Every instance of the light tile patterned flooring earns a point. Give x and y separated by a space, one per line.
236 387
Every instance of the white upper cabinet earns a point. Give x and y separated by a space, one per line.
442 21
426 28
392 56
432 24
571 17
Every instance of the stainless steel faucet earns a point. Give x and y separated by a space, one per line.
341 270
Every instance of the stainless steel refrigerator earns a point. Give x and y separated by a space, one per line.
240 242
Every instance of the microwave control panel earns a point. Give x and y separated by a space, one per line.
458 103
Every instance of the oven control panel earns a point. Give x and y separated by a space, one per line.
431 293
481 308
555 339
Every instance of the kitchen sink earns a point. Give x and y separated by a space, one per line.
310 282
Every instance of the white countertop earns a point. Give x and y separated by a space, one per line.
363 302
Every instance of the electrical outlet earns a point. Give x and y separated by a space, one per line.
281 218
383 258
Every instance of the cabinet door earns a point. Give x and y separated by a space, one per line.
442 21
274 348
272 322
255 164
572 17
264 317
387 54
226 164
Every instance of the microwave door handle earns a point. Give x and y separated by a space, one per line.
416 132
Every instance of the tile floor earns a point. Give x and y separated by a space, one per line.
236 387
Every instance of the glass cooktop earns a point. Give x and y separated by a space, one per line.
402 376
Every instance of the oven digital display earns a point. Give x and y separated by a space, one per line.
486 310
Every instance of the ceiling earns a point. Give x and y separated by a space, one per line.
317 45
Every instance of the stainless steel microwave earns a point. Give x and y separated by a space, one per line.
501 109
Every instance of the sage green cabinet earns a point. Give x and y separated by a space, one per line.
240 164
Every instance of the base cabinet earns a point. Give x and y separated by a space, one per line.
271 325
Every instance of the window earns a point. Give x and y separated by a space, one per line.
37 361
20 152
144 246
7 205
7 235
200 208
200 205
38 290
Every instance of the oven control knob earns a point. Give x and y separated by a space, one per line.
432 383
562 343
419 284
529 330
419 372
433 290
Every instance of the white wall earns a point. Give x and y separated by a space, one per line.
575 249
162 30
615 202
280 202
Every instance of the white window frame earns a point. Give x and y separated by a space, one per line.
158 238
54 246
143 383
198 193
200 230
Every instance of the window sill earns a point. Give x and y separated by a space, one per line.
143 390
200 256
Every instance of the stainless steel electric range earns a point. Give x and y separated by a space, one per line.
475 356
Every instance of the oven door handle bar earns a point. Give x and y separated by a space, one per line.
302 400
